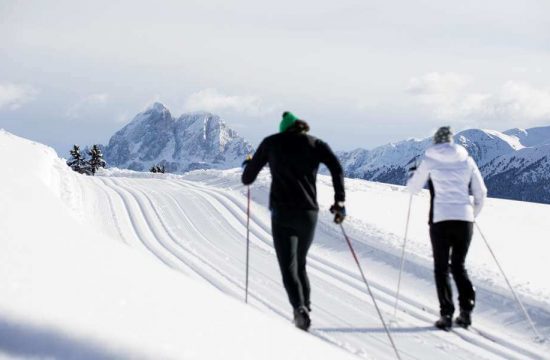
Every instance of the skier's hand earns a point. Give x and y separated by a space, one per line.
246 161
477 210
339 211
410 171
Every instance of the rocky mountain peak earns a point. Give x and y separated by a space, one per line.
156 107
192 141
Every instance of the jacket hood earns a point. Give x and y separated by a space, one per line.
299 126
447 153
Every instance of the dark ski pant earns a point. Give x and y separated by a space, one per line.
293 232
450 241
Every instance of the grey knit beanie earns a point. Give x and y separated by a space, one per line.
443 135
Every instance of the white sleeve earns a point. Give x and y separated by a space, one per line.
478 188
419 178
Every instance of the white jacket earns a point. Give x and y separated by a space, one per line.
454 176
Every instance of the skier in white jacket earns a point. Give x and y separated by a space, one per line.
452 177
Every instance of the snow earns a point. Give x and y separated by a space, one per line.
70 291
531 137
513 141
140 265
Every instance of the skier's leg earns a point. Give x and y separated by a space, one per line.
441 247
307 232
462 236
285 242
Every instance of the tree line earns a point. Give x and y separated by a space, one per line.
89 166
83 165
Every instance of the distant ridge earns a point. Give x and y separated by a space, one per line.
514 163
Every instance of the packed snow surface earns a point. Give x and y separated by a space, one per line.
137 265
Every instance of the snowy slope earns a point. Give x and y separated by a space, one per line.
120 279
70 291
522 175
531 137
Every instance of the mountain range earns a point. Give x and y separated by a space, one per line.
515 163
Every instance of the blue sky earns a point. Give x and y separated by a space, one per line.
363 73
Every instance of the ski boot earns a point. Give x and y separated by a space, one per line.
301 318
464 319
445 322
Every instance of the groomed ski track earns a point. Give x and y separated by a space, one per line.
200 230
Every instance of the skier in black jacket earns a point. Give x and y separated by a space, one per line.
294 158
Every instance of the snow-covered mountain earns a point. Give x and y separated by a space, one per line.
514 163
192 141
531 137
520 175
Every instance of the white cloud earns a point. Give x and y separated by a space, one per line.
438 83
213 100
514 103
123 117
86 103
12 96
522 99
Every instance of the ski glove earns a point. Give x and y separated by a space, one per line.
410 171
339 211
246 161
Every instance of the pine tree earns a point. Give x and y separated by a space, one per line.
157 169
96 159
78 163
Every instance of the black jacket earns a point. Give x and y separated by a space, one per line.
294 159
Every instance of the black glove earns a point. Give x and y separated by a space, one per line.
410 171
246 161
339 211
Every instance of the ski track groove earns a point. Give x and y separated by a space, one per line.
212 280
166 258
116 221
324 271
164 242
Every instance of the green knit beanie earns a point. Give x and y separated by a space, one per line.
287 121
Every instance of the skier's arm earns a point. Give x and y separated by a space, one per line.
419 178
477 187
328 158
255 165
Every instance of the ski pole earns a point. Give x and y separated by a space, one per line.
370 292
402 258
247 243
529 320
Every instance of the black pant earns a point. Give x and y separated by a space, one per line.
293 232
451 239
